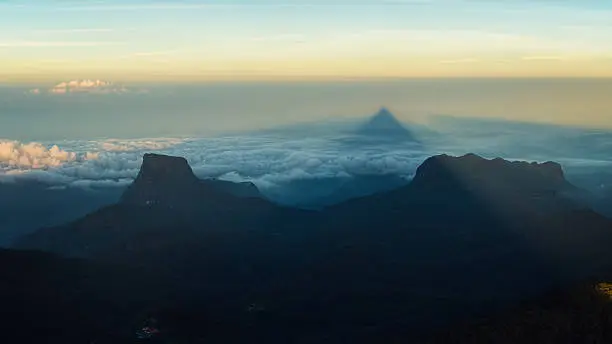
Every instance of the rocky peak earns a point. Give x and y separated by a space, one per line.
158 168
162 179
170 181
473 171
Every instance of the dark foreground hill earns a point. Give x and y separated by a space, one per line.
47 299
581 313
465 237
27 205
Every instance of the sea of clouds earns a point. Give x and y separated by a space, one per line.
292 167
272 161
267 161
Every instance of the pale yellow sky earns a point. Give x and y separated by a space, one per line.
263 39
308 69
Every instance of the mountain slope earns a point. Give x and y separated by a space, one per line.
27 205
579 313
55 300
467 235
170 181
164 206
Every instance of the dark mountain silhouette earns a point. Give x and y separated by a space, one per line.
323 192
473 170
55 300
384 125
239 189
600 201
360 186
165 195
169 181
27 205
466 236
580 313
499 182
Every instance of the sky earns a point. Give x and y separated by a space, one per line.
44 41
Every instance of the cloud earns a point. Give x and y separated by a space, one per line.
544 58
56 44
274 164
408 2
74 30
279 37
270 163
458 61
161 6
115 145
87 87
16 156
179 6
155 53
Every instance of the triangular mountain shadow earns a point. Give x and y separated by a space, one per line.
384 125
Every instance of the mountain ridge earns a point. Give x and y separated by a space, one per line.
170 181
439 247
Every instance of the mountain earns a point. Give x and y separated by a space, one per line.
170 181
57 300
383 124
476 179
238 189
27 205
498 180
326 191
359 186
472 169
580 313
165 205
468 235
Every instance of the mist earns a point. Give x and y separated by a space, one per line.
309 165
221 108
295 141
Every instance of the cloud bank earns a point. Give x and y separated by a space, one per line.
273 163
86 87
15 155
268 162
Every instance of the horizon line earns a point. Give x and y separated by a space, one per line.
297 80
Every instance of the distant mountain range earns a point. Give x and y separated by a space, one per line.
467 235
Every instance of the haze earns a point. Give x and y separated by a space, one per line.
305 171
213 109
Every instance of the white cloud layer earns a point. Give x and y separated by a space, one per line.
267 162
17 156
86 86
272 163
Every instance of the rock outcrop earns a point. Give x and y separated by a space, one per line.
170 181
472 171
